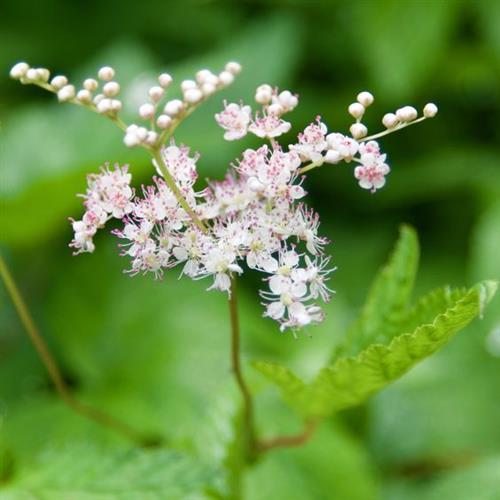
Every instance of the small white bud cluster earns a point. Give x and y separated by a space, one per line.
274 102
357 110
163 115
25 74
407 115
105 103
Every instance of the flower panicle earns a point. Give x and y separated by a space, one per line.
254 218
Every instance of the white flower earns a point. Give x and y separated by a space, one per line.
234 119
312 142
221 263
345 146
372 171
269 126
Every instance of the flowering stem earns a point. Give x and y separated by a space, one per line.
55 373
236 367
311 166
292 440
175 189
399 126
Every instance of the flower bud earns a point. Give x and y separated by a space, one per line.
163 121
165 80
226 78
116 105
84 96
173 107
233 67
206 76
130 139
43 74
192 96
208 88
32 74
430 110
66 93
147 111
19 70
356 110
390 120
156 93
188 84
104 106
106 73
358 130
58 82
111 89
263 95
275 109
151 138
90 84
406 114
365 98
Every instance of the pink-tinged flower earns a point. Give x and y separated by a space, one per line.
371 173
108 195
312 142
234 119
269 126
181 166
345 146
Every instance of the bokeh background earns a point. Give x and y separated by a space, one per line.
156 353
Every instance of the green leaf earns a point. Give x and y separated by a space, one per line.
388 297
85 472
291 386
350 381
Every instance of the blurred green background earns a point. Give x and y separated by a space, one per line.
156 353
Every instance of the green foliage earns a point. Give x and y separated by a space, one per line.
85 472
135 348
388 338
388 299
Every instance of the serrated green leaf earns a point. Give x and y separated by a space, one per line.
85 472
291 386
352 380
388 297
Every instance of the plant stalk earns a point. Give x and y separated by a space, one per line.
291 440
175 189
248 408
55 373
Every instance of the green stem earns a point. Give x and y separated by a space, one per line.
55 373
175 189
248 409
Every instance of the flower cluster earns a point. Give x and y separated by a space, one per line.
254 218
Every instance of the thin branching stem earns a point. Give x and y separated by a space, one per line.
177 193
55 373
248 407
290 440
